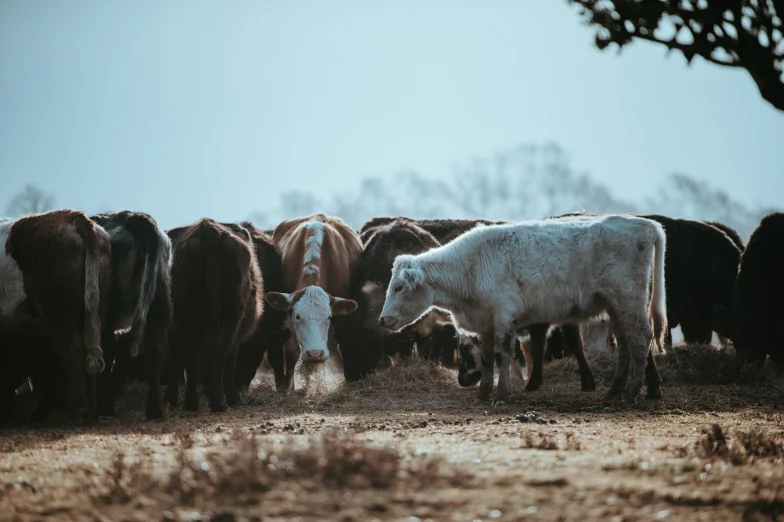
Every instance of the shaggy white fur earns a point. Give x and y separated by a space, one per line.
499 279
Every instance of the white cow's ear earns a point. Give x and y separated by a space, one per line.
279 300
413 277
342 306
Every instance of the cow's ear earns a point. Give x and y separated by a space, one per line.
279 300
342 306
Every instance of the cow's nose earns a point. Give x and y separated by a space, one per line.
314 356
387 322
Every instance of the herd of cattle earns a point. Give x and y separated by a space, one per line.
87 303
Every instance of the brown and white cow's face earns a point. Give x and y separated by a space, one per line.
408 295
310 313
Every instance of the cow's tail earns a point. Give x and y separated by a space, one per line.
213 249
657 308
93 260
155 254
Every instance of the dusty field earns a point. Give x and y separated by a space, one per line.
411 444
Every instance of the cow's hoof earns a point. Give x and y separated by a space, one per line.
219 407
155 413
39 415
533 386
612 396
483 397
630 397
654 393
589 385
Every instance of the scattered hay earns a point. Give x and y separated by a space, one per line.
683 364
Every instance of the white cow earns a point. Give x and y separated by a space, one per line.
497 280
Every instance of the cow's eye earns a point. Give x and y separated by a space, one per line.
297 317
398 287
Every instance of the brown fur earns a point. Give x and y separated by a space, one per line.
340 253
66 262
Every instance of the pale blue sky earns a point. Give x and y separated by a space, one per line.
190 109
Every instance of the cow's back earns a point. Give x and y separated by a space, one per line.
339 254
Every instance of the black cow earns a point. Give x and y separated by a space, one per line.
700 266
363 341
759 289
218 297
731 233
270 334
140 307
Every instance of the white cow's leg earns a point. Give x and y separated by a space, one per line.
503 348
622 369
639 335
488 360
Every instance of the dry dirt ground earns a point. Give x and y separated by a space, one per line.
410 444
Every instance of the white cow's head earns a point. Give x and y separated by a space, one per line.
310 312
408 295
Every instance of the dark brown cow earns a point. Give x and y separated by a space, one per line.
217 292
65 259
269 335
319 254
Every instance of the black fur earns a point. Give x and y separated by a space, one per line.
759 290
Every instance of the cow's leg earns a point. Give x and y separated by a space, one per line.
276 358
538 339
503 350
172 372
488 360
229 383
72 351
107 378
249 357
192 375
291 354
639 335
696 331
518 360
572 337
217 360
156 338
652 378
622 369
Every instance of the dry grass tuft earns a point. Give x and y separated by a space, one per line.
244 469
744 448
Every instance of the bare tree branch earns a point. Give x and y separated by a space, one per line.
32 200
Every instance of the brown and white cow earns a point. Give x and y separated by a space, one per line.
319 253
65 262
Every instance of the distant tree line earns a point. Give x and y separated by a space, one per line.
528 182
